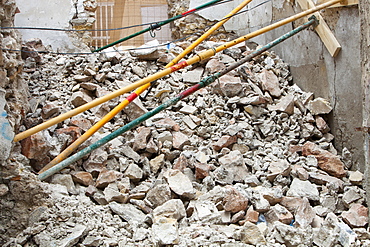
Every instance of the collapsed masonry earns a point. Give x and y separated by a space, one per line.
192 24
18 198
248 161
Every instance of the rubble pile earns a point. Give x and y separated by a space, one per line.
248 161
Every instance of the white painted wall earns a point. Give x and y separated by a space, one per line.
240 23
47 13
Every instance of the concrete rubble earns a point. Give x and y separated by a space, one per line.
248 161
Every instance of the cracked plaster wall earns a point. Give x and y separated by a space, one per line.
71 14
337 79
365 59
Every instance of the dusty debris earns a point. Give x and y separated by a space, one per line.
240 163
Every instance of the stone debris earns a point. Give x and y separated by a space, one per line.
35 148
76 233
224 142
157 163
105 178
251 234
319 106
334 231
180 183
193 76
356 216
128 212
286 105
270 82
230 85
180 140
165 232
6 133
80 98
83 178
356 177
251 215
3 189
141 139
248 161
158 195
304 189
133 172
112 193
65 180
326 161
279 213
173 209
282 168
305 214
234 201
292 236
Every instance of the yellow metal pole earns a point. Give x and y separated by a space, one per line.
95 102
276 25
66 152
199 57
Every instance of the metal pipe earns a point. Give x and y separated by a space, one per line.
66 152
199 57
157 25
205 82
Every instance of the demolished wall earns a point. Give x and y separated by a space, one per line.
20 192
75 15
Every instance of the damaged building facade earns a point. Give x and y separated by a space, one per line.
342 80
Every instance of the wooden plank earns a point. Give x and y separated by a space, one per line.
324 32
328 37
341 4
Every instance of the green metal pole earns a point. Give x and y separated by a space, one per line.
205 82
159 24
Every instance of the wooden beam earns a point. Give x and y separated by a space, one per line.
341 4
323 30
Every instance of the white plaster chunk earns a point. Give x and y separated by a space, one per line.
128 212
180 183
193 76
72 239
173 209
319 106
301 188
165 232
187 109
189 122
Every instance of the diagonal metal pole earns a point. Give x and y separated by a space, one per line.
205 82
159 24
66 152
197 58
